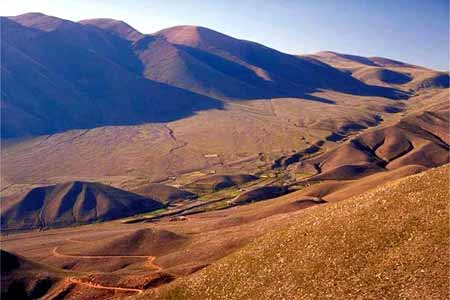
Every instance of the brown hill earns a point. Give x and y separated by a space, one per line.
148 241
437 80
376 75
335 58
71 203
259 194
218 182
59 75
163 193
419 139
79 76
390 241
259 67
70 75
381 71
119 28
25 279
324 106
41 21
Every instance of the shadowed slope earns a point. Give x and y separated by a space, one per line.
438 80
390 237
218 182
375 75
163 193
80 77
24 279
386 72
419 139
277 73
71 203
59 75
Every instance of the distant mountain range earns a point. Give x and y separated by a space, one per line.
59 75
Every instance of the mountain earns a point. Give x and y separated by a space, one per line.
392 236
115 105
76 76
211 63
116 27
380 71
60 75
69 204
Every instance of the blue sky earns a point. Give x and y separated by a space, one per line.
414 31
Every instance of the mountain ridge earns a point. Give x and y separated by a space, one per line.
69 204
147 77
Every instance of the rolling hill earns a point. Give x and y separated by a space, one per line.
239 171
419 139
169 107
60 75
390 241
385 72
25 279
69 204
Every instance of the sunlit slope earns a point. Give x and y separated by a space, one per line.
379 71
71 203
388 243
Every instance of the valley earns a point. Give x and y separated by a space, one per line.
188 164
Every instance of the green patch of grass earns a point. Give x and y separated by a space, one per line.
144 215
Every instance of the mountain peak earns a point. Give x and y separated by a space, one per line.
116 27
194 36
40 21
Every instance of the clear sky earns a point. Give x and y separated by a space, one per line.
414 31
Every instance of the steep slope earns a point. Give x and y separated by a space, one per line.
390 241
60 75
71 203
88 37
119 28
46 90
276 73
214 64
77 76
25 279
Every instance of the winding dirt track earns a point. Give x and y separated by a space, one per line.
150 259
150 264
102 287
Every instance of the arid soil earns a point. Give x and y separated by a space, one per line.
194 165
